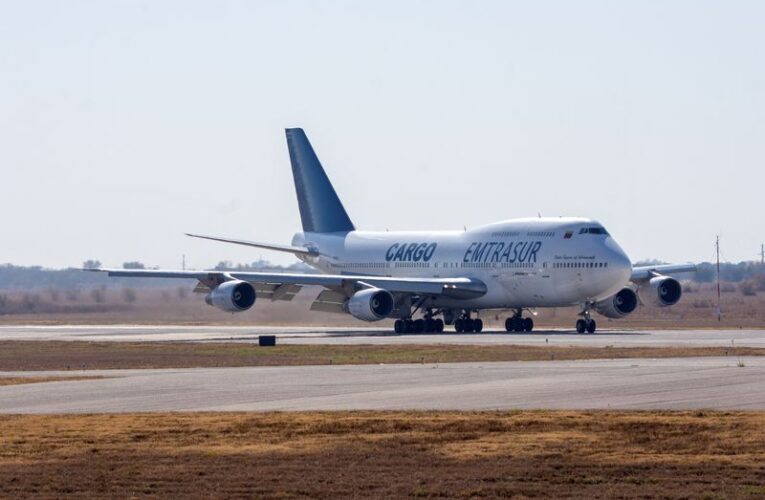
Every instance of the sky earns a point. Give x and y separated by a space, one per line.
124 124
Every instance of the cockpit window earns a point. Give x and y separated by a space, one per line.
593 230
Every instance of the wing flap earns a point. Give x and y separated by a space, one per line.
276 292
329 301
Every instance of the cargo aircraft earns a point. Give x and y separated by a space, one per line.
427 279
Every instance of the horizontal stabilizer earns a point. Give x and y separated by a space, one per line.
256 244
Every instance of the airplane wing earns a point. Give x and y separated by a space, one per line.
644 273
458 288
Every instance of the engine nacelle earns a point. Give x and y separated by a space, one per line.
661 291
619 305
371 304
232 296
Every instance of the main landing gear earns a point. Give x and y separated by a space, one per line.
586 323
517 323
465 324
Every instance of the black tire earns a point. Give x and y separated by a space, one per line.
397 326
517 324
581 326
439 326
477 325
428 325
459 326
509 324
419 326
591 326
408 326
528 324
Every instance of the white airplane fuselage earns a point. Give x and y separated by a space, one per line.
536 262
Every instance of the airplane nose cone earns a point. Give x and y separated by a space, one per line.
619 262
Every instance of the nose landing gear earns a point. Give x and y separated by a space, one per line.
586 323
517 323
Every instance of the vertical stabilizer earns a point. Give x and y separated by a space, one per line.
320 208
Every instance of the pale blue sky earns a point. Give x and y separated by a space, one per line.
124 124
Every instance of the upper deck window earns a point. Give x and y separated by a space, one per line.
593 230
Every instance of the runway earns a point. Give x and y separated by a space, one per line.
318 335
683 383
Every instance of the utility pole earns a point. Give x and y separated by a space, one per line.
717 249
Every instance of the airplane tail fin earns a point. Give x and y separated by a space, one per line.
320 209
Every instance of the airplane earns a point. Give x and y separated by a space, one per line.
427 279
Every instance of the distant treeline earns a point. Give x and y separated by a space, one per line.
36 277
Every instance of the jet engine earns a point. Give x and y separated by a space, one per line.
661 291
371 304
619 305
232 296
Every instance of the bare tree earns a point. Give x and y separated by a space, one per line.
91 264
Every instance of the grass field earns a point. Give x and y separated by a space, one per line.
53 355
385 455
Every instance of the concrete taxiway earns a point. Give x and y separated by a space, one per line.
318 335
684 383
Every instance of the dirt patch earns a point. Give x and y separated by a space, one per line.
558 454
37 380
56 355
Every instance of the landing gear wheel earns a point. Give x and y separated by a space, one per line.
581 326
459 326
398 326
528 324
438 327
591 326
477 325
409 324
419 326
519 324
429 325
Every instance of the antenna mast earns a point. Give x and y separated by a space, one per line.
717 249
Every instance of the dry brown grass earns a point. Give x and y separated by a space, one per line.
37 380
561 454
54 355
